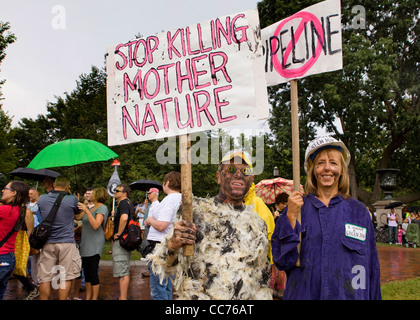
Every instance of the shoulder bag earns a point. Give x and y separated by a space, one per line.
41 232
109 228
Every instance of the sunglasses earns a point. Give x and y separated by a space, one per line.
7 188
232 169
116 191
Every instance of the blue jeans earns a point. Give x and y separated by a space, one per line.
7 265
159 291
392 230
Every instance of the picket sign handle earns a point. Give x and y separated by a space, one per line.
295 149
186 185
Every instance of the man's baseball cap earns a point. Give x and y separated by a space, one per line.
153 190
240 153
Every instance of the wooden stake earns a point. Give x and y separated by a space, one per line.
186 185
295 147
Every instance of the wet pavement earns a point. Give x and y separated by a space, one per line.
109 286
397 263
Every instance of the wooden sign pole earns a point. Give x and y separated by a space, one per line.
295 147
186 185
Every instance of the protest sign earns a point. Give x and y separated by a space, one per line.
202 77
306 43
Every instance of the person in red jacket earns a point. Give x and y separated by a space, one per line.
15 195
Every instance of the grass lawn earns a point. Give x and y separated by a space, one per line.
135 255
381 244
401 290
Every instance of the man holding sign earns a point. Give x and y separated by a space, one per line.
230 242
202 77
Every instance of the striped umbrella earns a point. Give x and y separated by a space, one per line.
269 189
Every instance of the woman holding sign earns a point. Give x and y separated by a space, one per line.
338 256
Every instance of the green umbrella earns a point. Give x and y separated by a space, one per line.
70 153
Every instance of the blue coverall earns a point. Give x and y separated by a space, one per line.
338 256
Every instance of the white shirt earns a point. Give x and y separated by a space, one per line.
153 206
392 223
164 211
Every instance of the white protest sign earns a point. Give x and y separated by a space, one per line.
306 43
202 77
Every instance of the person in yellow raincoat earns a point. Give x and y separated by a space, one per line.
263 211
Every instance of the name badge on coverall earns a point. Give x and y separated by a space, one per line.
355 232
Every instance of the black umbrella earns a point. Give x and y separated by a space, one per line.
394 205
32 174
145 185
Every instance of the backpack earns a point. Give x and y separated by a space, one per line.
131 240
41 232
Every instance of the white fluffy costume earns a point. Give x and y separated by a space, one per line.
230 255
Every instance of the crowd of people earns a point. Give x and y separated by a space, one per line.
242 250
398 228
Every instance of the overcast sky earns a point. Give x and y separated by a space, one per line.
51 52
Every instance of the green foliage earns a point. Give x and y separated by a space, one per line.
8 160
30 137
375 97
6 38
7 149
81 113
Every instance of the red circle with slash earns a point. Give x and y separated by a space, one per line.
298 72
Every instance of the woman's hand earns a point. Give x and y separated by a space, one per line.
82 207
294 203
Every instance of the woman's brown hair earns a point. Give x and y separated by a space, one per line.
21 198
174 179
100 194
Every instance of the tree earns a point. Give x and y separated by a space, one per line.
30 137
82 113
8 161
6 38
375 98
